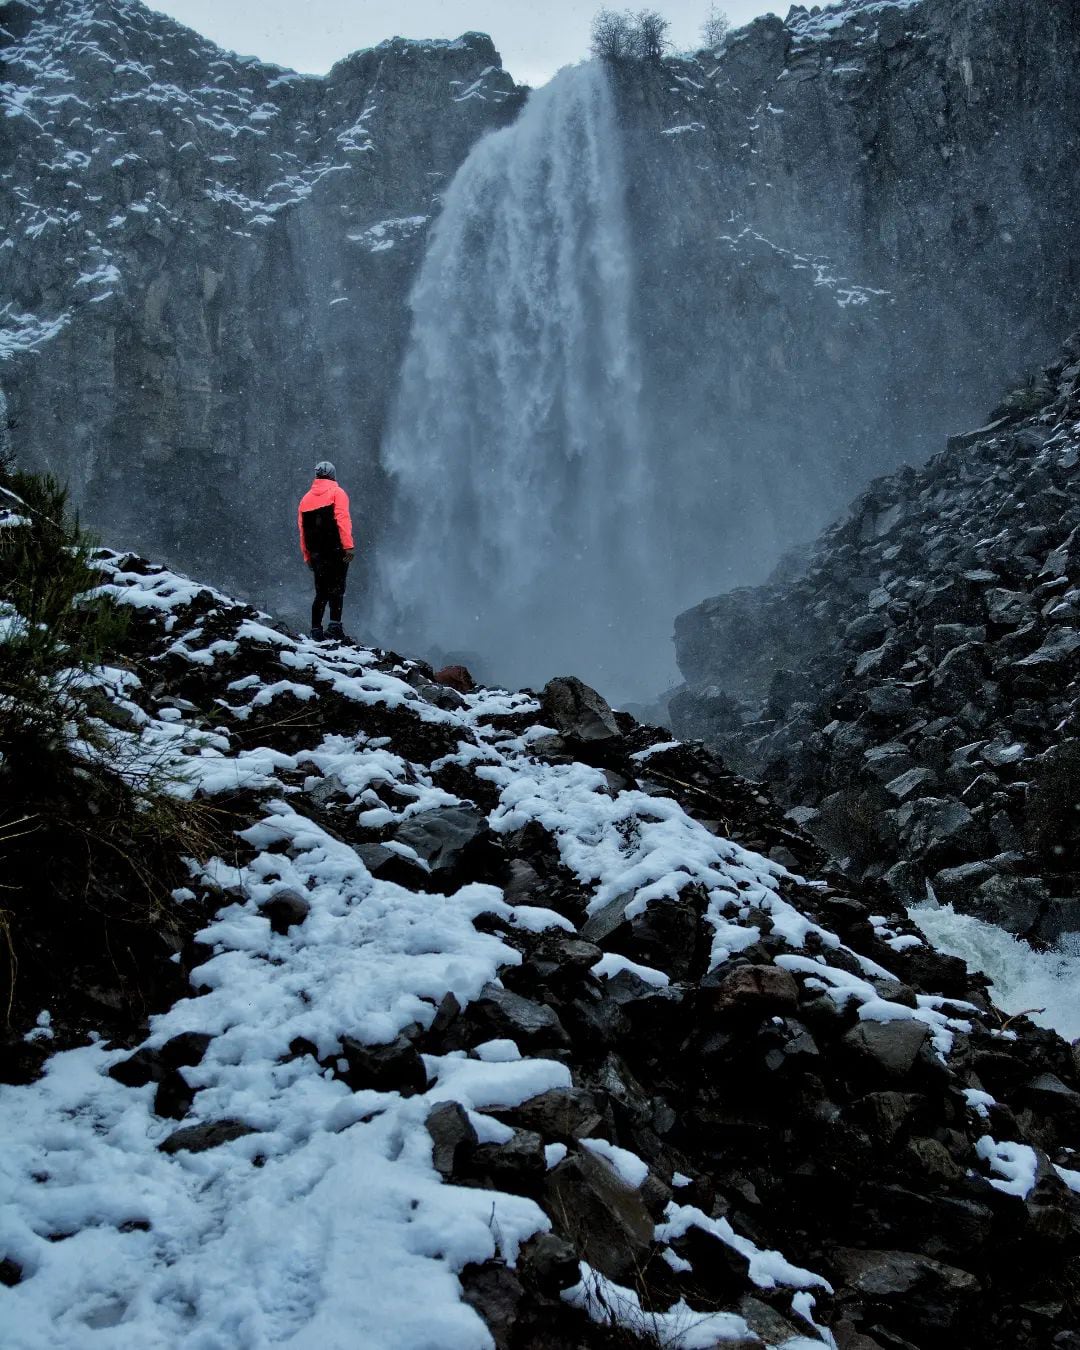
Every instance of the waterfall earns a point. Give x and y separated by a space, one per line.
521 526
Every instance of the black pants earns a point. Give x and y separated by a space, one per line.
330 572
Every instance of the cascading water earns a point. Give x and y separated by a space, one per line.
522 527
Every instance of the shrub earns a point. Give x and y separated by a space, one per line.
51 628
91 846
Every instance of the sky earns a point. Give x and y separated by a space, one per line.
535 37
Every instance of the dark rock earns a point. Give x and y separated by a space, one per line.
890 1275
11 1272
758 991
210 1134
144 1066
393 1067
500 1014
174 1096
517 1166
605 1219
575 710
453 1139
550 1263
560 1115
495 1292
440 838
1014 903
185 1050
891 1046
285 910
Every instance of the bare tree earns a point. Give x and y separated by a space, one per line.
612 35
650 35
716 27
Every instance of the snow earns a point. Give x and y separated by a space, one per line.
612 963
629 1168
680 1328
1017 1164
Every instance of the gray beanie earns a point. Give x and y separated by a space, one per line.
324 469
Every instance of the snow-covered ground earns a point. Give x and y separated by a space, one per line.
323 1222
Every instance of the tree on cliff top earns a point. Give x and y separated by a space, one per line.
629 36
716 27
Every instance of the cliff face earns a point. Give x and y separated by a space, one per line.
206 259
853 229
916 688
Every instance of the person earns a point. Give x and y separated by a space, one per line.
326 541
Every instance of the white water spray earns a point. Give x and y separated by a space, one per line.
1022 978
517 455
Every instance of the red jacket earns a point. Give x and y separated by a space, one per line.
323 519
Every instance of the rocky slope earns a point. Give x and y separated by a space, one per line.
915 683
847 229
205 261
513 1023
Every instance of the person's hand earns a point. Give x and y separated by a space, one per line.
350 554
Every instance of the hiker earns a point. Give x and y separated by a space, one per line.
326 541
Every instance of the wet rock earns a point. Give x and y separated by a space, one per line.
210 1134
455 677
1014 903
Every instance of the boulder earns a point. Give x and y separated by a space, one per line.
453 1139
395 1066
577 711
891 1048
559 1115
605 1219
442 837
500 1014
757 991
210 1134
1014 903
456 677
285 909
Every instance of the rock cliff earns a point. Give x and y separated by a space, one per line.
205 263
914 685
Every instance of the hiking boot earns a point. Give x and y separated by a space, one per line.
335 632
317 635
